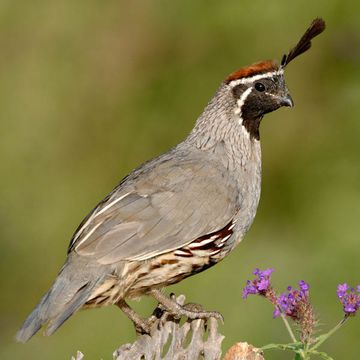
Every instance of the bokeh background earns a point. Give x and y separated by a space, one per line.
90 89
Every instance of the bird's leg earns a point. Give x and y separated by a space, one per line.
188 310
142 326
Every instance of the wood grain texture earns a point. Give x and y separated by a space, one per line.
172 339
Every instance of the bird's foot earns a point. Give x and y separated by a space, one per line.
191 311
142 326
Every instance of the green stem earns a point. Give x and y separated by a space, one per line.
305 352
291 333
288 327
327 335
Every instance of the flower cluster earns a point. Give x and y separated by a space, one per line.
293 302
349 298
261 285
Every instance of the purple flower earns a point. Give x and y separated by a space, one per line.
304 287
341 290
349 298
293 302
260 285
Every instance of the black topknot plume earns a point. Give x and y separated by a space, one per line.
304 44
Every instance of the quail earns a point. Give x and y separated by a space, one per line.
178 214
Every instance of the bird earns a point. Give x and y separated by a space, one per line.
177 214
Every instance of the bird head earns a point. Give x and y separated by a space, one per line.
260 88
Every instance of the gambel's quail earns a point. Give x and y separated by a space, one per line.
175 215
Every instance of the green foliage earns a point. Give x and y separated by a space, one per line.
90 89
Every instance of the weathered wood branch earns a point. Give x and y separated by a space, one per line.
172 339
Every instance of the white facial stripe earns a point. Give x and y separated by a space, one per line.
256 77
272 95
241 102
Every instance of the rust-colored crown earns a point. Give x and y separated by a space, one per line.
261 67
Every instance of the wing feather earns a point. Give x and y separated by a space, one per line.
162 210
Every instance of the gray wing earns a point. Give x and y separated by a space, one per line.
158 210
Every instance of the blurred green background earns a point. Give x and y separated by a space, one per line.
90 89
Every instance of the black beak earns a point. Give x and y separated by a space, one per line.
286 100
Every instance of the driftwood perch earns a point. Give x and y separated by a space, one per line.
172 339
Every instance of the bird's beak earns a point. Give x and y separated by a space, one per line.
286 100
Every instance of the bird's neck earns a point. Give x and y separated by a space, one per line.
220 130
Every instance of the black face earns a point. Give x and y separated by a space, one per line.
266 95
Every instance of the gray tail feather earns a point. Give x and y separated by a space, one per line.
33 322
66 296
77 301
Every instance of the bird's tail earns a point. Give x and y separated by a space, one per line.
69 293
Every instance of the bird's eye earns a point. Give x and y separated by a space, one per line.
259 86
